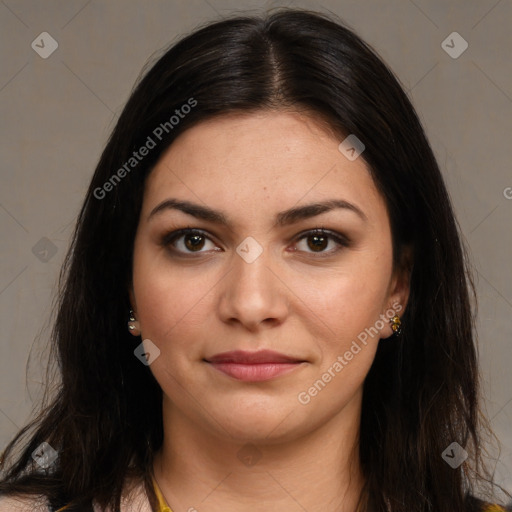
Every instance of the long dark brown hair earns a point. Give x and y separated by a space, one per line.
104 417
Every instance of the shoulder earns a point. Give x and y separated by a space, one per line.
134 499
23 504
477 505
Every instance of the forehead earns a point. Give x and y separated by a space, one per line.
276 159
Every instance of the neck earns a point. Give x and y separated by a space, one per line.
318 471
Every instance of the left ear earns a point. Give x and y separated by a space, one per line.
399 290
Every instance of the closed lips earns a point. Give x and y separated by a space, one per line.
261 357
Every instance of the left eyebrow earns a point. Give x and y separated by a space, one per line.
312 210
283 218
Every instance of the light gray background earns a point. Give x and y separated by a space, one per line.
58 112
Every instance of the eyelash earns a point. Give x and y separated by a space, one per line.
342 241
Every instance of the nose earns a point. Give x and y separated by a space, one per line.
252 294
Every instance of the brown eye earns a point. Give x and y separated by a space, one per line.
318 240
318 243
187 241
193 242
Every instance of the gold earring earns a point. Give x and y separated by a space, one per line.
396 325
133 325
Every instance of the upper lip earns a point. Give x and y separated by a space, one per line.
243 357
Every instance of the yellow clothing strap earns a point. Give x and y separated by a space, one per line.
162 504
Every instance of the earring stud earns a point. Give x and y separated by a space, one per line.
396 325
132 322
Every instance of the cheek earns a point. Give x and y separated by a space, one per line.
169 298
349 301
172 306
346 309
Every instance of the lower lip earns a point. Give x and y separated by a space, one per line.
255 372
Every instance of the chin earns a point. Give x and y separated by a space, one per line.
262 425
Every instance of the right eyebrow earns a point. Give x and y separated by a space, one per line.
193 209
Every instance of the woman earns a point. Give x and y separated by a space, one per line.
266 304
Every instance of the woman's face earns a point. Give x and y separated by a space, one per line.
254 276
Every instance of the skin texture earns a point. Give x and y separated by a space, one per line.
308 304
